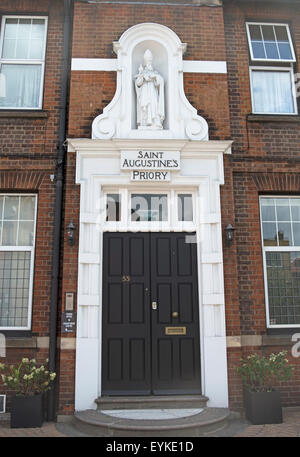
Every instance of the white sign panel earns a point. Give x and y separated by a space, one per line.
150 160
155 175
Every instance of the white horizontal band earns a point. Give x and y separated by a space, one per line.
189 66
204 66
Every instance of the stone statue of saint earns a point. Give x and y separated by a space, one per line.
149 85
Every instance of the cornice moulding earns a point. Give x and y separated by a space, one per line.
84 145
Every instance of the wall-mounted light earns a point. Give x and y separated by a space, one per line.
71 234
229 235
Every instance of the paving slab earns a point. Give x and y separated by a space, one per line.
48 429
239 428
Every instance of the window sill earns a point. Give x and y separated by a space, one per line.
26 114
294 118
16 333
20 341
277 340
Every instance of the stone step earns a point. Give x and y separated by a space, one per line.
96 423
149 402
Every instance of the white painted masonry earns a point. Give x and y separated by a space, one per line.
98 169
189 66
118 119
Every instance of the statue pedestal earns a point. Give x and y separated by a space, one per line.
149 127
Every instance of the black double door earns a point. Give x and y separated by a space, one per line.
150 322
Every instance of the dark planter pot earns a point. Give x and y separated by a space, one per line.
26 411
263 407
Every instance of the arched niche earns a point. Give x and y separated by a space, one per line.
118 119
160 64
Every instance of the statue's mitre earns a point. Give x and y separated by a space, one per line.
148 57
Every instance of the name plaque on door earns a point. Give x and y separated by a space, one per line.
175 330
150 160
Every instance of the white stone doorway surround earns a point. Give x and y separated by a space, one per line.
98 169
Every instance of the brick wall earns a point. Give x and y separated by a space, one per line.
200 27
28 150
265 160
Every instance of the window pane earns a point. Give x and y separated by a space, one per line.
25 237
281 33
268 33
113 207
268 209
24 27
14 288
11 27
296 232
24 39
1 207
272 92
36 49
285 51
21 86
18 220
270 42
149 207
258 50
255 32
283 278
11 208
269 234
295 207
27 208
38 28
283 209
185 207
9 235
9 48
272 51
285 234
9 40
22 48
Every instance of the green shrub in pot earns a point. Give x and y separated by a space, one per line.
29 381
259 374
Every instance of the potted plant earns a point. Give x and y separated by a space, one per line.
29 381
259 374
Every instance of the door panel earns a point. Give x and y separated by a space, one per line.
138 356
176 358
126 315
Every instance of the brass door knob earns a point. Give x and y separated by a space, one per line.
175 314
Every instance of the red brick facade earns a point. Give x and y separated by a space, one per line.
264 161
28 152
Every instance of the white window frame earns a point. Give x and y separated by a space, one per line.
151 225
186 225
274 25
125 224
30 249
40 62
266 249
276 69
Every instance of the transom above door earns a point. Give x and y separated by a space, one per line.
150 319
153 210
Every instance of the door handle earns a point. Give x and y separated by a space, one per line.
175 314
154 305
